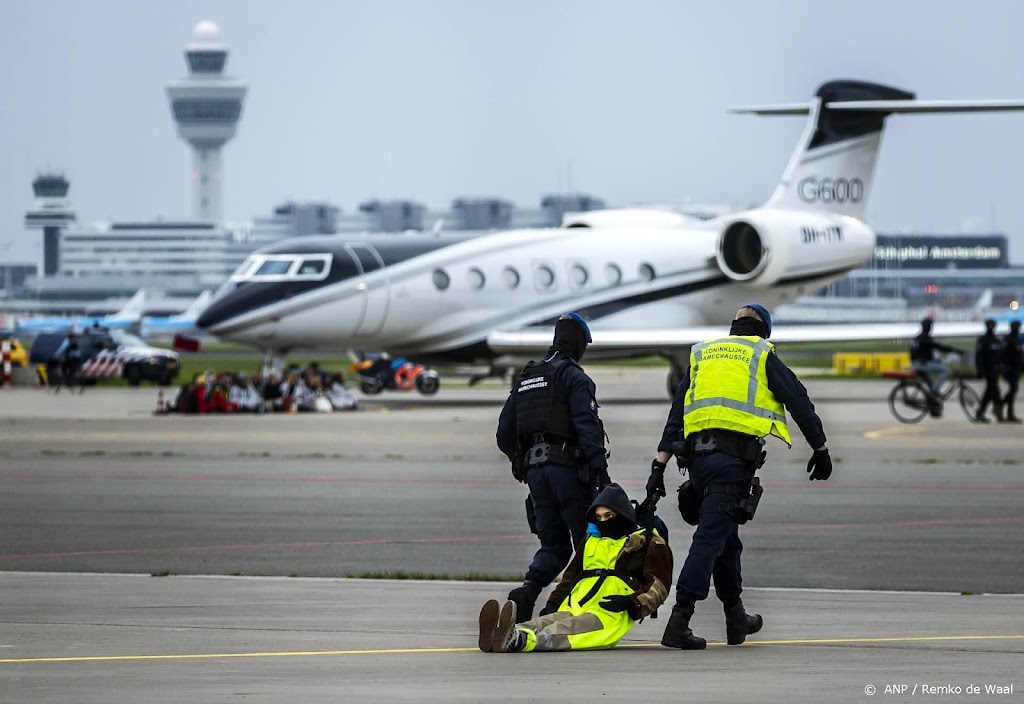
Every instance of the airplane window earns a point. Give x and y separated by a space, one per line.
579 275
312 266
274 267
476 278
441 279
647 272
544 276
511 277
614 274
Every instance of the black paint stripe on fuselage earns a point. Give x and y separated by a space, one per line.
603 310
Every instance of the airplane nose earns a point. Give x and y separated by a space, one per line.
217 312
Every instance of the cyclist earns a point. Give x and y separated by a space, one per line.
923 361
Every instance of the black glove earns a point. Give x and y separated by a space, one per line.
620 602
820 465
549 608
656 482
599 478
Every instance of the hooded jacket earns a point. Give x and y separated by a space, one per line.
653 566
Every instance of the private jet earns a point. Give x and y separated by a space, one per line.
648 282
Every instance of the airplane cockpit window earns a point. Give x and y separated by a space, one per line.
311 266
284 267
511 277
274 267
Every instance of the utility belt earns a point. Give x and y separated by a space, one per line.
546 449
742 504
739 445
549 450
632 580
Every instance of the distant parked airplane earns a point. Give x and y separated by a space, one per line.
166 327
128 317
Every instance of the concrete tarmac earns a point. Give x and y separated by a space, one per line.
96 484
122 638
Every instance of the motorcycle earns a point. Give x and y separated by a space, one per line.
399 374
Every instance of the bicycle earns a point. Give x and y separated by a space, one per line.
911 399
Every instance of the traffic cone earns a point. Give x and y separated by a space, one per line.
161 408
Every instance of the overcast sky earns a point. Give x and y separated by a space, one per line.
434 99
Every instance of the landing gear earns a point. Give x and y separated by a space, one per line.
677 368
273 363
492 372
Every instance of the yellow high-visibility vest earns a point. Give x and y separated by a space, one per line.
729 389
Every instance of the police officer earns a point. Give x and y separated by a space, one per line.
1011 369
550 430
732 396
988 358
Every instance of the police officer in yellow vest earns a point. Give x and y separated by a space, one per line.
735 393
620 574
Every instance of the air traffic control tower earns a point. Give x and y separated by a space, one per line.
206 106
51 213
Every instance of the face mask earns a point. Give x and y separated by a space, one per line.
615 528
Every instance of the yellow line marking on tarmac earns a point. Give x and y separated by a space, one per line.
401 651
892 430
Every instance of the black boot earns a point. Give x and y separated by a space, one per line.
525 597
678 633
738 625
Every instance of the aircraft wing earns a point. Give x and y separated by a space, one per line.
537 340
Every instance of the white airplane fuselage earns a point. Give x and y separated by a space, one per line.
445 300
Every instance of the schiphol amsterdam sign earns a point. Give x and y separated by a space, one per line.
932 252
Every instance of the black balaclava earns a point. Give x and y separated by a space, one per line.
570 339
616 499
748 326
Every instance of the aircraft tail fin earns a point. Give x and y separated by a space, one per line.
834 163
982 305
195 307
133 309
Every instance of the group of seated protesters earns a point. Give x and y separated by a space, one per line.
300 391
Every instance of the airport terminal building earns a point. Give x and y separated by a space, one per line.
948 271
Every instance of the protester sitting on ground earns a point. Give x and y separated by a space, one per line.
244 396
341 398
306 393
190 395
217 397
618 576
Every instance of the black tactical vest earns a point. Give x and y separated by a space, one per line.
538 408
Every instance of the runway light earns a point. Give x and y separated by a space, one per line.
1014 305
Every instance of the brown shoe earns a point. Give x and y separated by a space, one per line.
505 635
489 615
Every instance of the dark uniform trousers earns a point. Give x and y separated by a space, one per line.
716 547
991 394
560 502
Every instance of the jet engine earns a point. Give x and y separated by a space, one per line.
766 247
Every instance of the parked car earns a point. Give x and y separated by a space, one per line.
109 354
